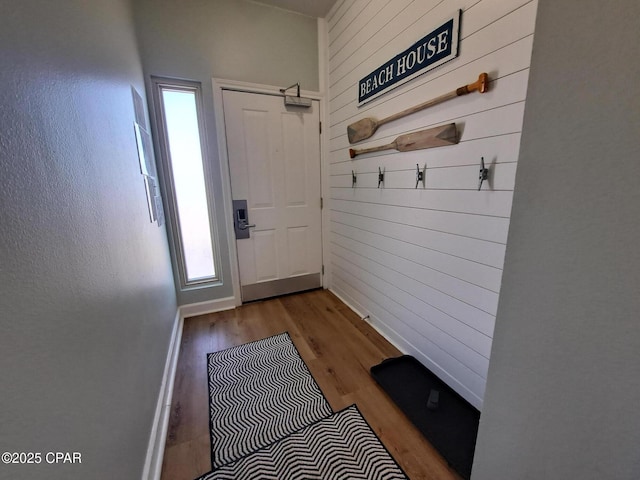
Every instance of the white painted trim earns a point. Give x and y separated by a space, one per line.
155 450
210 306
325 180
347 303
225 176
157 439
367 318
220 84
406 348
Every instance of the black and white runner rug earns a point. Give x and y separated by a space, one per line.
270 420
259 392
339 447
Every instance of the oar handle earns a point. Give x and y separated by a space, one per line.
353 152
479 85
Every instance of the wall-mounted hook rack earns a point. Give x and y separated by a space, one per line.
421 175
354 179
380 177
484 173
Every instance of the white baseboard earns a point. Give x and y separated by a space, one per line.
211 306
407 348
367 318
155 450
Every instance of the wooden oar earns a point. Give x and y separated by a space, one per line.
429 138
363 129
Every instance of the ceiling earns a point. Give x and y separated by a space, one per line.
312 8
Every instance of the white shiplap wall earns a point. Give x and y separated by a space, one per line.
426 264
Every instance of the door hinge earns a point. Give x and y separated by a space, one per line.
320 127
322 269
321 203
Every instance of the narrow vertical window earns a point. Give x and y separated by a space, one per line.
183 159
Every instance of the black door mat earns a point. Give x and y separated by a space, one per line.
447 420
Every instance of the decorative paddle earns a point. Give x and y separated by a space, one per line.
365 128
429 138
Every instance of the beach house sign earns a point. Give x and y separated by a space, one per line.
431 51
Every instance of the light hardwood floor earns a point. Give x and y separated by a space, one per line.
337 346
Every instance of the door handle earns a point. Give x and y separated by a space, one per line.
241 223
244 226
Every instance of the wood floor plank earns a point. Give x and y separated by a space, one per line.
338 347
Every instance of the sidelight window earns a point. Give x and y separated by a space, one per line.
180 123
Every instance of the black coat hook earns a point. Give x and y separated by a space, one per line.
380 177
420 175
484 173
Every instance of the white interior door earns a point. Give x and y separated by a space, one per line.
274 162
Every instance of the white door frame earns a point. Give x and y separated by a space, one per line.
218 86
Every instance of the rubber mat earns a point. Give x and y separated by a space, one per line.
447 420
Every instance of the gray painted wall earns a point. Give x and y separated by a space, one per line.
231 39
87 300
564 380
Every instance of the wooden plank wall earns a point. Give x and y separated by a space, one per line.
426 263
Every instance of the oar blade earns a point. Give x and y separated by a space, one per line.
361 130
429 138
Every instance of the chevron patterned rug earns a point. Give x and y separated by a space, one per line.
339 447
259 392
270 420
